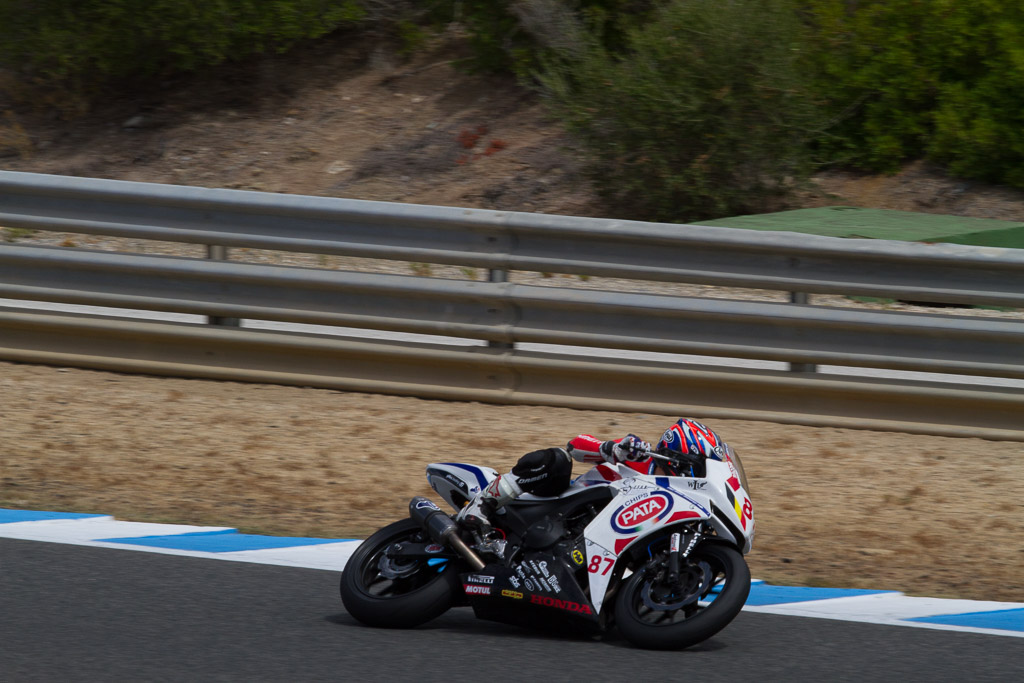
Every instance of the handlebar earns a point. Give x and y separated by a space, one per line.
677 458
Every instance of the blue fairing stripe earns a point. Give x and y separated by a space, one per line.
663 483
475 471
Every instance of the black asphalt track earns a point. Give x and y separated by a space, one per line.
73 613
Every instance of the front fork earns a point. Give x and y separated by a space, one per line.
675 556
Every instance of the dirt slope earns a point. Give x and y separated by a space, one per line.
345 119
328 121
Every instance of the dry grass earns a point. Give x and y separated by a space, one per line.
928 515
13 137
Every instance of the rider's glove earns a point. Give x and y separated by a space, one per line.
630 447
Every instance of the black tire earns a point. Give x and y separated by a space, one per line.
664 627
420 594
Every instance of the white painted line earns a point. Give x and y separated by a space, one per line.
89 531
86 531
894 606
893 609
329 556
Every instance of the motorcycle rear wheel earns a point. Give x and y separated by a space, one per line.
651 616
415 593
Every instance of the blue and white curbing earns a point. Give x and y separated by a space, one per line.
223 543
218 543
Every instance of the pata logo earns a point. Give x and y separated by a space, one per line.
641 512
629 518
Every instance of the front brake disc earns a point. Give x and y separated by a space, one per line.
694 583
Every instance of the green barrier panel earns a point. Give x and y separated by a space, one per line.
883 224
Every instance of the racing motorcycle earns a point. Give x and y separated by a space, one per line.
659 556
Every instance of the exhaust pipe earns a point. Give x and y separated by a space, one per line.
442 529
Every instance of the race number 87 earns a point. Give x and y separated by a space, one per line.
595 565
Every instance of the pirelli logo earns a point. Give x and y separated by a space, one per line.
511 594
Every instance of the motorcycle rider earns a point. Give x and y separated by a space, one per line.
548 472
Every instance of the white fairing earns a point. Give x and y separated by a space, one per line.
647 504
458 482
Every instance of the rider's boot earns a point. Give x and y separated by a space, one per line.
477 513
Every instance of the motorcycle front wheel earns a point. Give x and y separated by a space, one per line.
389 593
652 612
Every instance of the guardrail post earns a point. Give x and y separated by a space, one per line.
800 298
496 275
219 252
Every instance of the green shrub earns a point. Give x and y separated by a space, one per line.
979 119
942 79
497 40
703 112
81 44
513 36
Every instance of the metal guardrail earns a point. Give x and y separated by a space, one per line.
505 314
515 241
515 313
491 375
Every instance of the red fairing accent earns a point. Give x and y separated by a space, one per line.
733 483
607 473
687 514
641 466
621 543
585 448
